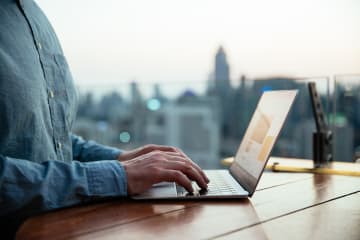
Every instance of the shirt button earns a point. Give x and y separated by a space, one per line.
39 45
51 94
59 145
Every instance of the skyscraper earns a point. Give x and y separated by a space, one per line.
138 113
190 124
136 97
222 89
222 79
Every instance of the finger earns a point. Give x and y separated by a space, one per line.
174 151
162 148
188 170
197 167
153 147
175 157
168 175
202 173
172 156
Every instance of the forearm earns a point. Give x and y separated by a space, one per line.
87 151
27 188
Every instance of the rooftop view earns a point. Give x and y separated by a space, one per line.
191 119
188 75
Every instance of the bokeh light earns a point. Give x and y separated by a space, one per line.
125 137
153 104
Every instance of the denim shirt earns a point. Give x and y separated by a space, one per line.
43 165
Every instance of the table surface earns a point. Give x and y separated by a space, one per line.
285 206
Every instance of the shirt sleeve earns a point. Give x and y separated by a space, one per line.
87 151
27 188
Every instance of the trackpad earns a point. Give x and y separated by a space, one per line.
163 189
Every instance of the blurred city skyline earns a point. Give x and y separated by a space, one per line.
112 42
210 124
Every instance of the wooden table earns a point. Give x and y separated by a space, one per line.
285 206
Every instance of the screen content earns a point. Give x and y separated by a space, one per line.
263 130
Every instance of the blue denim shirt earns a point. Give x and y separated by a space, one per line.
43 165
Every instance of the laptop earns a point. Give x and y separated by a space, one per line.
241 179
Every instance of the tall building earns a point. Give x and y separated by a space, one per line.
190 124
157 93
136 97
220 87
138 114
221 74
344 143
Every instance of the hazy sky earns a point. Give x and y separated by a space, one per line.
116 41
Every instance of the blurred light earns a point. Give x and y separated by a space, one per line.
153 104
339 120
266 88
125 137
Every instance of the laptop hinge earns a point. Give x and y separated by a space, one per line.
247 181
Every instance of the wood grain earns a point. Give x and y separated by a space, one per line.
279 194
336 219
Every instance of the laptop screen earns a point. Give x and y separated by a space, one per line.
260 136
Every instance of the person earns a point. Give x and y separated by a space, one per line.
43 165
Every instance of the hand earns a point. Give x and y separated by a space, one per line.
128 155
159 166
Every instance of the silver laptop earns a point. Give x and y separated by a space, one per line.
241 179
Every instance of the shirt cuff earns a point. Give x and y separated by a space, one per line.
106 178
111 153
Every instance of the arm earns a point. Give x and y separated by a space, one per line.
152 164
29 188
87 151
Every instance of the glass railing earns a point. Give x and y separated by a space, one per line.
207 126
345 117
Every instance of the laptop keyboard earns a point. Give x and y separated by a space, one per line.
217 186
